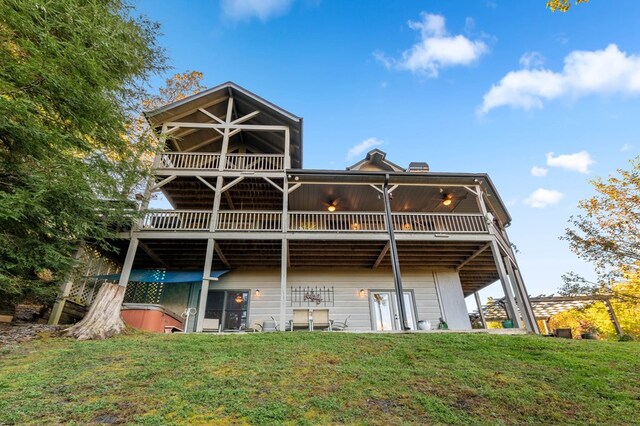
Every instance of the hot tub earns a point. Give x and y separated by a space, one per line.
150 317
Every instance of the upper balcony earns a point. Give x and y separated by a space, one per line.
314 222
172 162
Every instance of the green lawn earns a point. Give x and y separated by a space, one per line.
320 378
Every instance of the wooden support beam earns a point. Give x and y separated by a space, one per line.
376 188
152 255
245 117
227 197
208 114
128 262
213 188
293 188
162 183
381 256
512 309
254 127
284 262
476 295
473 256
204 289
232 183
273 183
221 255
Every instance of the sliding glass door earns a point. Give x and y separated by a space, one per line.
385 313
229 307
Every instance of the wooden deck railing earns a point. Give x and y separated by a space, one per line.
336 222
211 161
189 161
258 162
176 220
439 222
271 221
249 221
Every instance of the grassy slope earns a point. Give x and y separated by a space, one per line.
320 378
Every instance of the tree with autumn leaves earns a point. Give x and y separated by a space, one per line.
607 235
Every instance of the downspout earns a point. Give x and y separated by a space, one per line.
395 264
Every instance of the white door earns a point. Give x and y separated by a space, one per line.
385 312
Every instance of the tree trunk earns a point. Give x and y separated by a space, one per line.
103 319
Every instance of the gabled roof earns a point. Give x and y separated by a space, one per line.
375 160
215 101
201 98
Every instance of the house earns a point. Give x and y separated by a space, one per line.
253 235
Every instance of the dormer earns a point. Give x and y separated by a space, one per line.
375 161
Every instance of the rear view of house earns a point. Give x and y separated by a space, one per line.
252 237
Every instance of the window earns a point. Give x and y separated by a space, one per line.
230 307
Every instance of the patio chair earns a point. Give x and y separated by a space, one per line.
320 319
340 325
300 319
268 326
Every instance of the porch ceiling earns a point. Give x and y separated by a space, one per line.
314 197
190 254
249 194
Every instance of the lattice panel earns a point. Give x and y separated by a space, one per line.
143 292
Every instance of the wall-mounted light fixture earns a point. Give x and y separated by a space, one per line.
331 206
257 292
447 199
362 292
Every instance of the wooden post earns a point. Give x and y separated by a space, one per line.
128 262
395 264
480 311
283 284
287 149
612 315
523 299
204 289
512 309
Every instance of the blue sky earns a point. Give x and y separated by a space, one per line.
489 86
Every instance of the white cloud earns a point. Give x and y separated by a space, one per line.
626 147
360 148
578 162
531 60
541 198
607 71
239 10
538 171
436 48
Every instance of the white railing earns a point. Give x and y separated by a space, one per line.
189 160
262 162
211 161
270 221
249 221
176 220
439 222
336 221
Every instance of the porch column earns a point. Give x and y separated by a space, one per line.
204 290
523 298
128 262
283 284
287 149
480 311
393 250
512 309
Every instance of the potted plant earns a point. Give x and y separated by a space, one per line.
588 330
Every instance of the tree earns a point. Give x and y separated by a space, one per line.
103 319
562 5
607 234
73 72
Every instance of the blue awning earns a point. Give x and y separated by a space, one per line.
162 276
